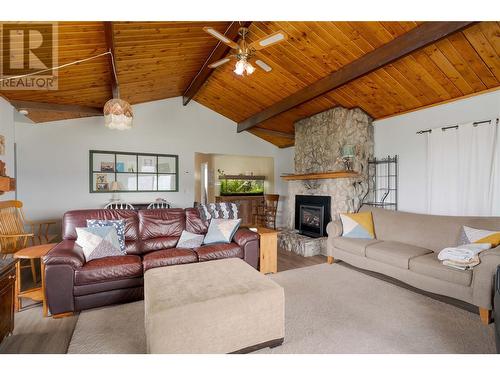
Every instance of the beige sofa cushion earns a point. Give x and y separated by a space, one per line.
430 265
395 253
356 246
428 231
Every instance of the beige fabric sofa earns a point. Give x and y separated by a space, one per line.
406 248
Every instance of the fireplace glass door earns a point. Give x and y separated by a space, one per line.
311 220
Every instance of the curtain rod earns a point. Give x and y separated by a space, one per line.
476 123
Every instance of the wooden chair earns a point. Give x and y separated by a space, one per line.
158 203
266 213
119 205
13 236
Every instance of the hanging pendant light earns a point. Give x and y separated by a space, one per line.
118 114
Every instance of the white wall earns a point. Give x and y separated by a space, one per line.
397 135
7 129
53 158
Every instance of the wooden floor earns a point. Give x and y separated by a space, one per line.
289 261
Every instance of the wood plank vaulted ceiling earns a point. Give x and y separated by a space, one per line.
158 60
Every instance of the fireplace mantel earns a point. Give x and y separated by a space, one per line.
320 176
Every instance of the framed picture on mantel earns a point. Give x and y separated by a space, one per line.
124 172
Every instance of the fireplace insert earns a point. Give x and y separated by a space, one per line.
312 214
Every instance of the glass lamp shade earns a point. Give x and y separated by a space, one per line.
240 67
118 114
348 151
249 68
243 66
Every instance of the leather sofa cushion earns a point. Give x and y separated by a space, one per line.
194 223
106 286
158 243
110 268
169 257
430 265
356 246
396 254
219 251
161 223
78 218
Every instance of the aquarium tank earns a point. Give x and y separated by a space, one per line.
241 185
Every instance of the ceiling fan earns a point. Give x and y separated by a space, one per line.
244 50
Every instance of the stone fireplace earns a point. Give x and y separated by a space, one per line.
318 143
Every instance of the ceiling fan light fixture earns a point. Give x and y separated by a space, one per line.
249 68
239 68
118 114
243 66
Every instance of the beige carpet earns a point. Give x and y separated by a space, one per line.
329 309
34 334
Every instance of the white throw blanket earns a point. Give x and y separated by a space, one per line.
463 256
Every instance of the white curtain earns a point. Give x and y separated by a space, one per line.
463 170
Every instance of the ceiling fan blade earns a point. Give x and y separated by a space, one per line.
269 40
261 64
224 39
218 63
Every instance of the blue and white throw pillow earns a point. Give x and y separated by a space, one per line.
98 242
118 224
221 231
190 240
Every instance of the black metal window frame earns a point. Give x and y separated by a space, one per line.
92 187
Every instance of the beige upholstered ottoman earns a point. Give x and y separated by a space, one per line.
220 306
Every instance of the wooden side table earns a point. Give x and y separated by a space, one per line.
268 250
36 294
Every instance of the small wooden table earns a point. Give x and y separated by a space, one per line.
36 294
268 250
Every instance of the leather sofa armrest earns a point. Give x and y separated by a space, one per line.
484 276
334 228
65 253
243 235
250 243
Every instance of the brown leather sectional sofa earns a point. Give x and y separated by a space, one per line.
150 236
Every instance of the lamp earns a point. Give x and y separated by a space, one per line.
115 186
348 153
118 114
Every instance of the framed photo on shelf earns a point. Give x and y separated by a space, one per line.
101 178
107 166
148 165
120 166
102 186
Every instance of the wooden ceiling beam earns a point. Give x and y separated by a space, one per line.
217 53
52 107
274 133
419 37
110 43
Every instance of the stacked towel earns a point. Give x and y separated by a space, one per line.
462 257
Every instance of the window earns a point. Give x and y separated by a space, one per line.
114 171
